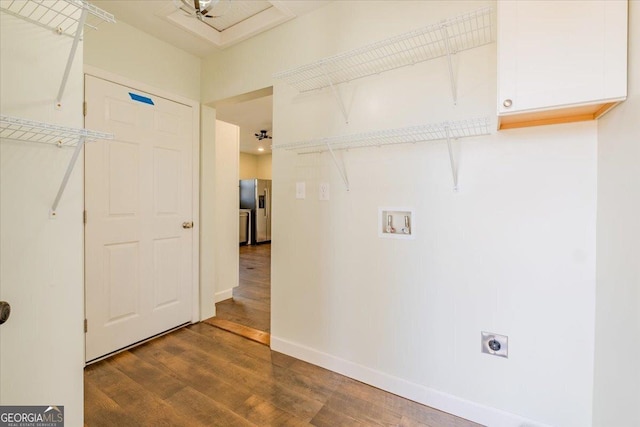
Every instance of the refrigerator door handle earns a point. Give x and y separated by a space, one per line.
266 202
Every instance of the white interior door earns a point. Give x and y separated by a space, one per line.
138 199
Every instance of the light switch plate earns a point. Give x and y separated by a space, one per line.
323 191
300 190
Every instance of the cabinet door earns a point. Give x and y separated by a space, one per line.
554 54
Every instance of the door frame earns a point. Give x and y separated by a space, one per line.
195 179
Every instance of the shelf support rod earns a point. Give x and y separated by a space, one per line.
72 54
336 95
454 167
341 170
67 174
447 46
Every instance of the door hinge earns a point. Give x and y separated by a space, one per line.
86 326
84 217
84 108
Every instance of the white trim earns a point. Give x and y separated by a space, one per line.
145 87
195 214
223 295
473 411
195 166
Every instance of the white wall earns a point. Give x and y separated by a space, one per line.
254 166
126 51
617 352
41 274
513 252
264 166
248 166
227 201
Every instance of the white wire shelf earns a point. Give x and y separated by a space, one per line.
65 17
32 131
414 134
445 38
60 16
14 128
448 131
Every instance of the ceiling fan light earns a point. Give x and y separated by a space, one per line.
204 4
191 4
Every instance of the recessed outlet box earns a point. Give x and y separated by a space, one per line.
396 223
494 344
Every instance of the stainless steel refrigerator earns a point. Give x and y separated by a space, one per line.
255 194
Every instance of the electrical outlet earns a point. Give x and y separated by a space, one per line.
494 344
324 191
300 190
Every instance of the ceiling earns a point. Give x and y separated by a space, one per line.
233 20
251 116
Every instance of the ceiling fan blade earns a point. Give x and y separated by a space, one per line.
196 3
205 11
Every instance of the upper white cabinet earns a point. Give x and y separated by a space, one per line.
560 61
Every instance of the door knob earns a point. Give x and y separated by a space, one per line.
188 224
5 311
507 103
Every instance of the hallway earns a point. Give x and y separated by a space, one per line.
250 306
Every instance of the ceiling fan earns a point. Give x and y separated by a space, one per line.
262 135
201 9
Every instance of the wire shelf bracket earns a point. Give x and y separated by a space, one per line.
446 38
14 128
342 170
338 98
452 160
64 17
448 131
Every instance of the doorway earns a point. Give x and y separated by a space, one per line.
248 311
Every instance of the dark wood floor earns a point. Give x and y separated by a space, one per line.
204 376
251 302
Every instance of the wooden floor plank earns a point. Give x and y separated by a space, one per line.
363 411
258 377
103 411
142 406
238 329
147 375
204 410
389 402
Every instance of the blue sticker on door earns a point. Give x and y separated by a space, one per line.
140 98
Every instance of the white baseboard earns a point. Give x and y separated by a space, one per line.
427 396
223 295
